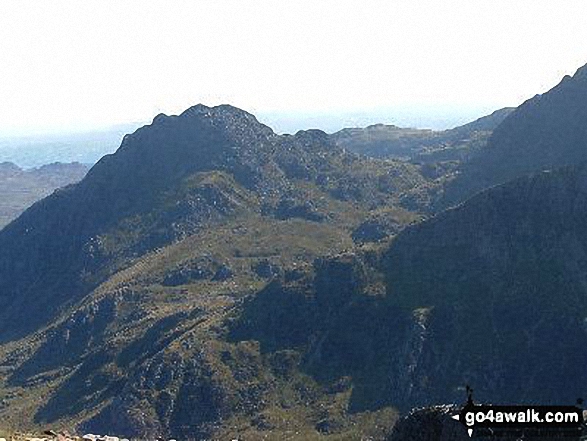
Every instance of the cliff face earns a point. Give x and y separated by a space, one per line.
503 279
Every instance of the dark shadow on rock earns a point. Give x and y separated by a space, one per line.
66 343
325 320
89 386
158 336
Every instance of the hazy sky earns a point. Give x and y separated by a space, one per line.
79 64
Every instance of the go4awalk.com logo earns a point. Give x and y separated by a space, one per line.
543 421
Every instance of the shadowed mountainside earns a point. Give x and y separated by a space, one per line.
501 280
547 131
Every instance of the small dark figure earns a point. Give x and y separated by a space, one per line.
469 395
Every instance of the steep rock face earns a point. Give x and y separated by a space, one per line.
545 132
502 278
344 331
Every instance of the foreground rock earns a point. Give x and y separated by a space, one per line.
430 424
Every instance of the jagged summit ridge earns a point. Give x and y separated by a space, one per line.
222 116
200 138
229 121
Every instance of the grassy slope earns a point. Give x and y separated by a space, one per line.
143 302
148 349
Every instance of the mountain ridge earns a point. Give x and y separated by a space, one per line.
158 187
212 277
501 276
390 141
545 132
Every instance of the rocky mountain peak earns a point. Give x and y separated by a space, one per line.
230 121
313 138
228 117
201 138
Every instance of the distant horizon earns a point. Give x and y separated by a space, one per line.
70 66
425 118
88 145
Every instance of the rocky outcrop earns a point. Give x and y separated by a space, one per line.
430 424
382 225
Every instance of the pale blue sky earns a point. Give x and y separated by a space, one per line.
72 65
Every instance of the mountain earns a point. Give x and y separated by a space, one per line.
389 141
499 286
490 293
124 299
21 188
213 279
383 140
169 180
545 132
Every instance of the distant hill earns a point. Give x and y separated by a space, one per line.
388 141
20 188
547 131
